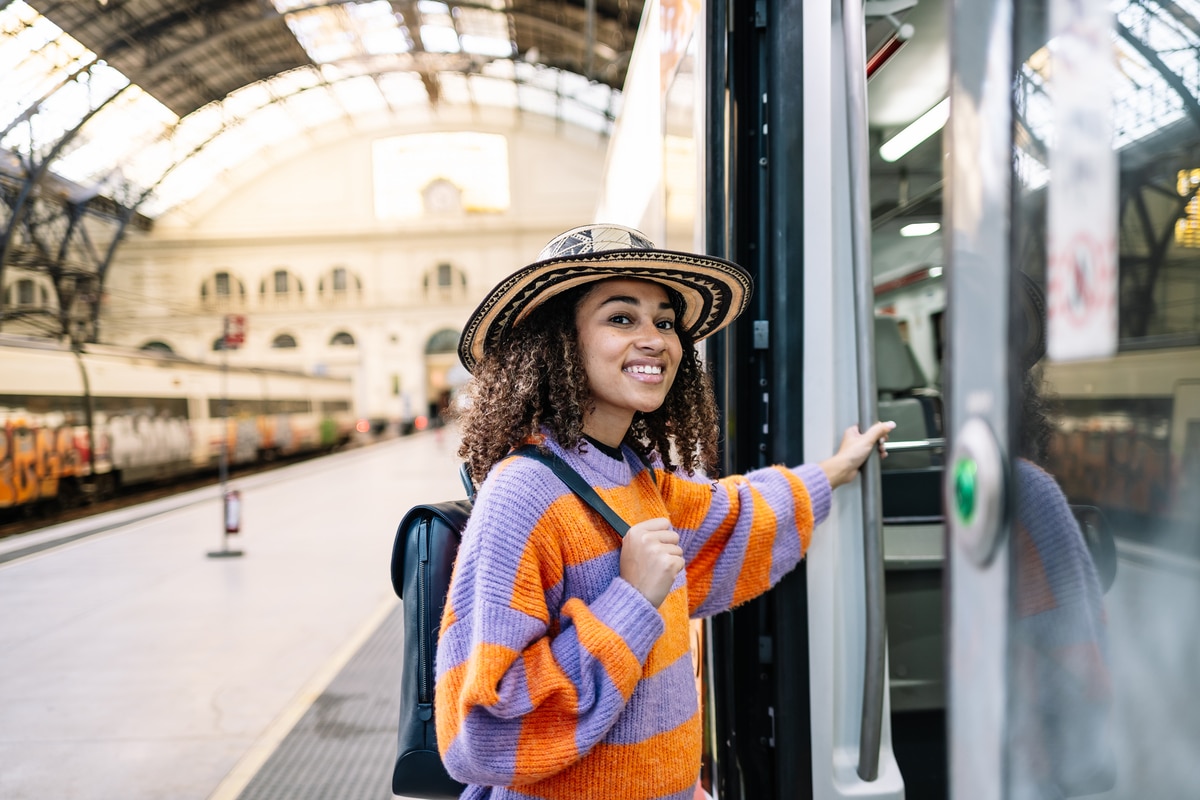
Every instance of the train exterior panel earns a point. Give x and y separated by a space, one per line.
76 424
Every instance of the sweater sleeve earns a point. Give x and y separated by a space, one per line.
743 533
523 691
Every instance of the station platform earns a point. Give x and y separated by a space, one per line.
138 667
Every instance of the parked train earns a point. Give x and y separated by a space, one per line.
78 424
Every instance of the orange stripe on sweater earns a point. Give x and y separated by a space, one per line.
606 646
664 764
675 643
802 502
755 576
471 683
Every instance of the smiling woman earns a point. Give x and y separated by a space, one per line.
559 636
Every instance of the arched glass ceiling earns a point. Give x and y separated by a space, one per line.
1157 49
60 102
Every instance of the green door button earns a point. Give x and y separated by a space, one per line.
965 487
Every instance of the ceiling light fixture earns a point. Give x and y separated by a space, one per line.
920 228
921 129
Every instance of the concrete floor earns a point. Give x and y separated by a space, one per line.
137 667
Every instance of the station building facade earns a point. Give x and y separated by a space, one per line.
357 256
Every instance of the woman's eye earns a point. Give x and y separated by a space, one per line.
666 325
620 319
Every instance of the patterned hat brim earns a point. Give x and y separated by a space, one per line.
714 291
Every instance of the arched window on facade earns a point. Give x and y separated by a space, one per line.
341 339
339 286
223 290
446 283
284 341
281 289
157 347
27 293
444 341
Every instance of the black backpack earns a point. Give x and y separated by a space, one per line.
422 561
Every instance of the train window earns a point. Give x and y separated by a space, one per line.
291 406
65 410
235 407
334 406
141 406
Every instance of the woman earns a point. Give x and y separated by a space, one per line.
563 664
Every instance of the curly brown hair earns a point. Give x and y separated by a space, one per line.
534 377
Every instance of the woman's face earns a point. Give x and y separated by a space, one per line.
630 352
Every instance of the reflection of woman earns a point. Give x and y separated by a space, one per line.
1061 691
564 666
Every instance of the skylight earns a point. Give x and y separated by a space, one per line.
108 135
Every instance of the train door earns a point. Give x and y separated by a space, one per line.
800 701
1073 553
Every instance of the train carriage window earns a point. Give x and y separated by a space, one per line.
59 410
289 406
141 406
334 406
236 407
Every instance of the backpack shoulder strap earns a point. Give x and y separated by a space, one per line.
577 484
646 463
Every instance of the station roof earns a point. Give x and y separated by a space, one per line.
149 101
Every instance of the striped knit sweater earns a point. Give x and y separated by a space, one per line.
555 677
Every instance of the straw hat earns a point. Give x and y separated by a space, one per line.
714 291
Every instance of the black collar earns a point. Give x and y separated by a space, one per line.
611 452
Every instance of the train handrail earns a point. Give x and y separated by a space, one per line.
914 445
875 646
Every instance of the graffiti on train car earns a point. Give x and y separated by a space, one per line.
35 457
139 440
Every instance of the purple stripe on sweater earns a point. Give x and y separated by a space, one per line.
623 609
663 702
482 752
588 579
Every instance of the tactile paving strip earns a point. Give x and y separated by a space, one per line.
344 746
